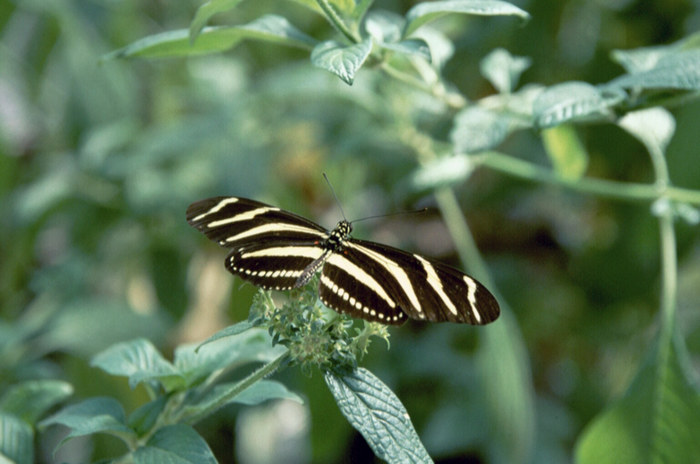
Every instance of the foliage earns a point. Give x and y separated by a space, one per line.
593 258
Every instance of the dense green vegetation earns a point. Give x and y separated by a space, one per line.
554 144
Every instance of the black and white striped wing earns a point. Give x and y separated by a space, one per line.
270 247
384 284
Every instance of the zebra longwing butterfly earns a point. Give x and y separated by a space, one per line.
276 249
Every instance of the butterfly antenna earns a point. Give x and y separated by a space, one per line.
340 207
397 213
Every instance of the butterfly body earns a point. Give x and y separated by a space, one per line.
276 249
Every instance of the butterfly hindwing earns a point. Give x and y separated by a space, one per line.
422 288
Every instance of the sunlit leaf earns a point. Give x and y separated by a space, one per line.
442 172
572 100
477 129
654 127
503 70
425 12
343 61
680 70
269 28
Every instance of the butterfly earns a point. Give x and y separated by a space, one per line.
277 249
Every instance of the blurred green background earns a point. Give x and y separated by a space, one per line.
99 160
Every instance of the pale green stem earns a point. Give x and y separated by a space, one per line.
608 188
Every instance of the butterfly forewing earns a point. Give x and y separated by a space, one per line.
272 248
239 222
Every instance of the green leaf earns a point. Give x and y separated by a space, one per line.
246 347
385 29
140 361
16 440
680 70
343 61
175 444
206 11
657 419
269 28
442 172
143 418
31 399
477 129
229 331
572 101
377 413
654 127
568 155
430 11
255 394
503 70
94 415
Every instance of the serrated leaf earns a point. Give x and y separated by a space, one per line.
253 345
477 129
206 11
503 70
31 399
572 101
343 61
94 415
678 70
654 127
229 331
269 28
566 152
442 172
425 12
140 361
655 422
16 440
376 412
175 444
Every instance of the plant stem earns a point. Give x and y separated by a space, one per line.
193 414
607 188
337 21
